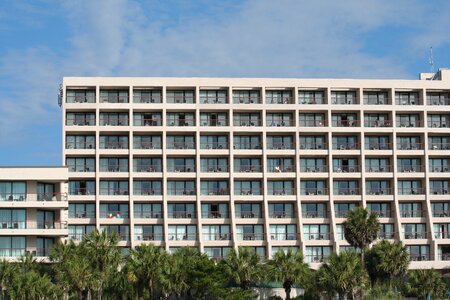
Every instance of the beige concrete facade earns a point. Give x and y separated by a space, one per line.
33 210
270 163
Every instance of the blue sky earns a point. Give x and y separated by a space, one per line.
44 40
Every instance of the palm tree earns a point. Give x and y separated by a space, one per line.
388 260
343 274
243 267
104 254
426 282
146 262
288 268
7 273
174 277
361 228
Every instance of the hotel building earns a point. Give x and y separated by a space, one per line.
267 163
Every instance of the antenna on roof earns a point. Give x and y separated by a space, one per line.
431 60
60 95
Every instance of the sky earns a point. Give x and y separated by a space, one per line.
41 41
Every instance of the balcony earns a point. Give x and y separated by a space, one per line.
183 237
246 121
438 124
180 145
82 191
341 213
314 191
379 191
346 169
378 168
438 101
346 191
281 214
378 123
410 146
248 192
382 213
314 214
181 191
280 146
148 237
411 191
441 213
313 146
114 122
250 236
442 235
114 145
80 145
439 146
281 169
247 146
80 121
216 123
378 146
216 236
248 168
317 236
113 214
281 191
280 123
20 224
215 168
280 100
114 191
247 99
148 214
415 235
155 121
177 121
147 145
82 214
179 214
410 168
113 168
147 191
386 235
81 168
244 214
346 123
412 213
215 191
214 145
181 168
276 236
439 168
439 191
346 146
316 258
147 168
55 197
214 214
312 123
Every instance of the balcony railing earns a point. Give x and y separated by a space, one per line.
439 124
216 236
187 121
147 145
155 121
181 191
314 169
410 146
213 99
341 213
439 168
250 236
180 99
281 168
413 213
345 123
346 146
113 99
378 146
346 191
439 191
182 214
419 257
148 214
440 101
382 213
346 169
215 191
439 146
114 145
243 214
80 121
378 123
248 168
317 236
444 256
147 191
442 235
39 224
214 122
81 168
181 168
147 168
12 252
386 235
183 237
281 214
114 214
415 235
114 191
316 258
82 191
113 168
313 146
148 237
214 168
82 214
411 191
313 214
247 99
246 122
213 214
314 191
33 197
441 213
281 191
80 145
214 145
378 168
312 123
379 191
280 146
280 100
146 99
248 192
410 168
280 123
277 236
180 145
114 122
247 146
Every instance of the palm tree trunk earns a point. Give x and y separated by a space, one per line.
287 290
80 294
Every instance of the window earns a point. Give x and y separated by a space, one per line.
80 96
343 97
113 119
13 218
216 232
246 142
281 210
381 209
113 142
439 121
439 143
114 211
386 231
180 119
147 119
123 231
279 97
147 187
409 165
77 232
148 233
376 143
312 120
317 254
248 210
375 98
311 97
439 164
345 142
114 96
217 253
409 187
312 142
408 120
213 142
346 187
418 252
411 210
438 98
276 249
113 164
277 142
12 246
180 96
46 191
314 210
246 96
214 119
180 164
316 232
377 165
247 165
180 142
82 210
414 231
378 187
80 119
182 232
214 210
341 209
312 187
246 119
147 142
44 246
250 232
147 164
280 119
440 209
280 165
180 188
214 165
13 191
113 187
280 187
247 187
80 142
80 164
345 120
213 96
377 120
345 165
441 231
407 98
439 187
181 210
148 210
81 187
283 232
408 143
214 187
147 96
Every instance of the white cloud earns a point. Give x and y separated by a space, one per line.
285 38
